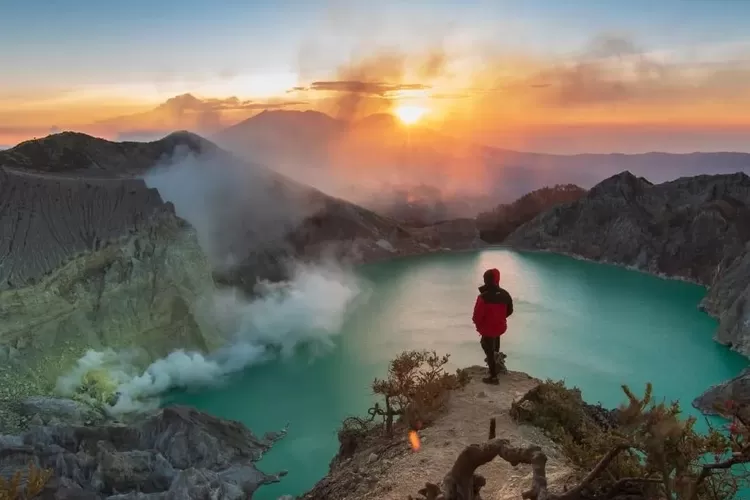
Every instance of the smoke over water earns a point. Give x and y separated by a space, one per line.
235 213
310 309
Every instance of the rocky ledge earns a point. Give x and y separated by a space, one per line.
177 453
693 228
373 466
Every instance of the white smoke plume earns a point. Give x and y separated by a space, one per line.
310 309
237 208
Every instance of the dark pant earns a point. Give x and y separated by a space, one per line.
491 346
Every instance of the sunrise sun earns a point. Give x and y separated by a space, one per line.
409 114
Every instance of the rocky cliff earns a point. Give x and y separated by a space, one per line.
175 454
90 264
694 228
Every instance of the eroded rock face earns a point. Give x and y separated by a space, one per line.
695 228
178 453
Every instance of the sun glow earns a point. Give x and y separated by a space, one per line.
410 115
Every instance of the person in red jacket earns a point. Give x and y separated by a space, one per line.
491 310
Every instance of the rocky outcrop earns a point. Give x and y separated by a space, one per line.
694 228
50 220
176 454
736 389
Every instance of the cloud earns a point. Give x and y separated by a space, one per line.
382 89
611 69
610 80
189 103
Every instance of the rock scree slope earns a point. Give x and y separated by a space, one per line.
693 228
177 453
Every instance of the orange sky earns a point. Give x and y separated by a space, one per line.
506 98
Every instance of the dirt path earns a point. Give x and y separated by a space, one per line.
400 472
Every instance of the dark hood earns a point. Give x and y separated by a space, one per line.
491 280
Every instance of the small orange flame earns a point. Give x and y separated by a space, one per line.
414 440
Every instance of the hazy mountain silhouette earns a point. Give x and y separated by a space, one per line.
182 112
383 164
413 173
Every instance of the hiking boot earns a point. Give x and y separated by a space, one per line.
491 380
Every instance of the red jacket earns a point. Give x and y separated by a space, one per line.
492 307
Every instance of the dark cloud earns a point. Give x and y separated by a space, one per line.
367 83
382 89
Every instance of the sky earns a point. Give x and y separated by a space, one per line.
542 75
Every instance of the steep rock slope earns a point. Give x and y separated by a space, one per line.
695 228
177 453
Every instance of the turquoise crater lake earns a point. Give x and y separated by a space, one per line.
595 326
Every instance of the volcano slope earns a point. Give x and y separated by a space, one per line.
92 257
